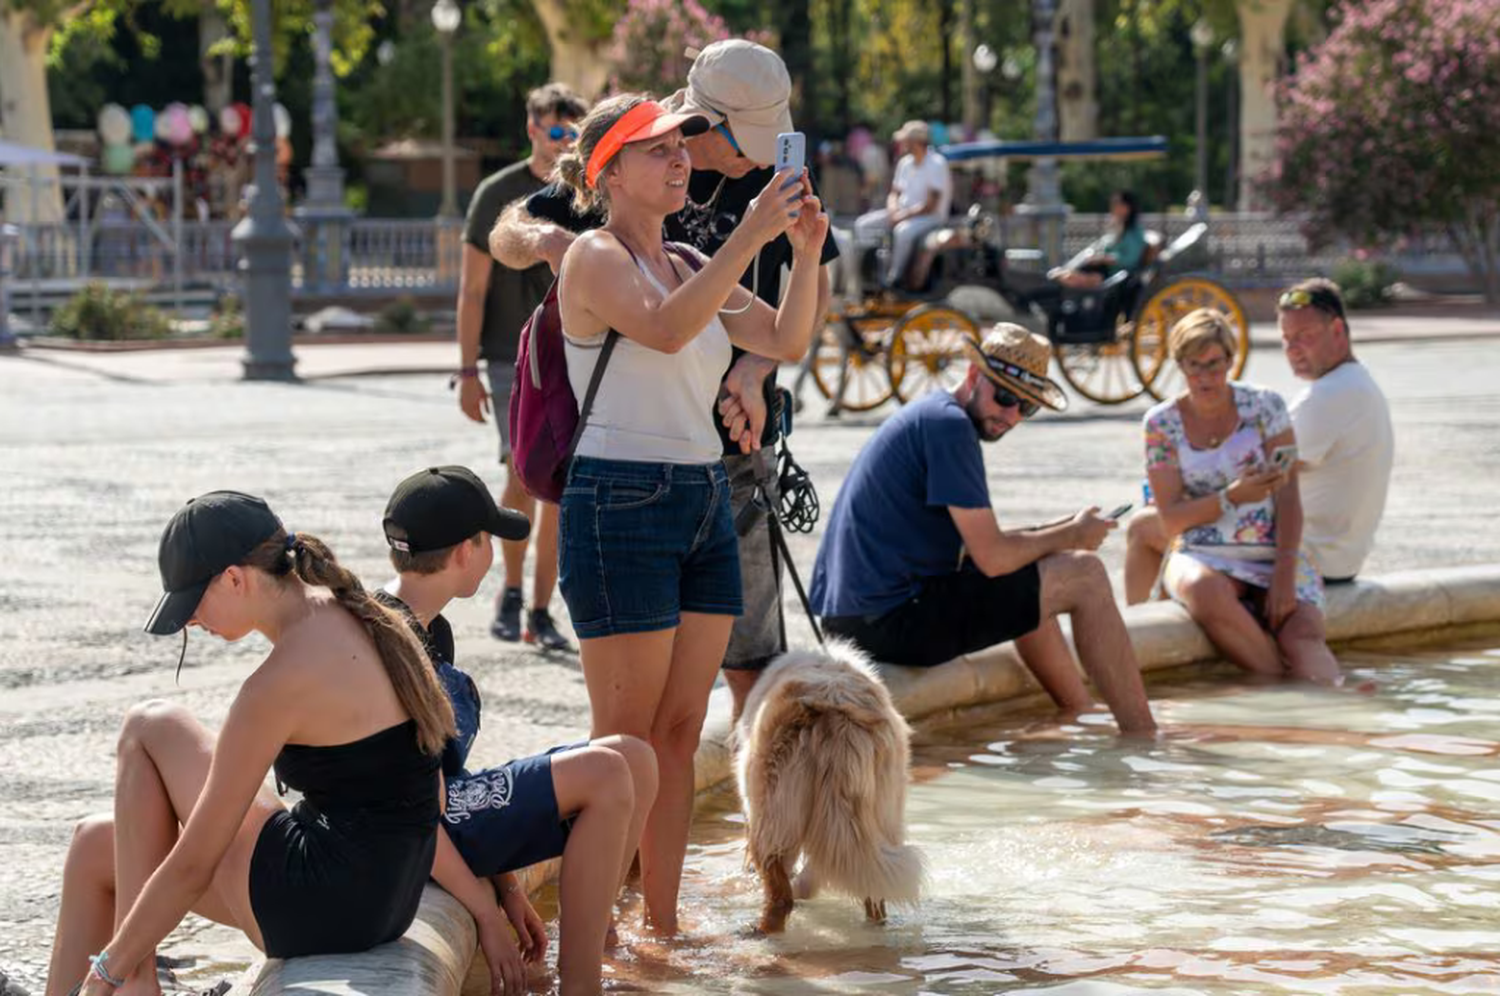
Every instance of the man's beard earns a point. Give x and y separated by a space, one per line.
989 435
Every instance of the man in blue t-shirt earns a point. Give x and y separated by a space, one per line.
915 569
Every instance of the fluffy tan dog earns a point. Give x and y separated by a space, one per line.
822 769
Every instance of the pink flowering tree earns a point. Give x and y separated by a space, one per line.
651 39
1392 125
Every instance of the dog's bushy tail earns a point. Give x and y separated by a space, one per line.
855 817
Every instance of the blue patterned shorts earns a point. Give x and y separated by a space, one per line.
506 818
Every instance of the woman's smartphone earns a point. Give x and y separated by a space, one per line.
1284 457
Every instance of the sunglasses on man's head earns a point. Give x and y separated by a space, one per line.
1005 399
559 132
1300 297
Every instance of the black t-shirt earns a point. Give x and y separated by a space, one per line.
716 203
513 294
436 637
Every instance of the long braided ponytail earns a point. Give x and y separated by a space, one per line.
405 662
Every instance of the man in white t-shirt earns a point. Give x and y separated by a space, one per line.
921 194
1345 445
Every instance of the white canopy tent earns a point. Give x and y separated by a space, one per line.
15 154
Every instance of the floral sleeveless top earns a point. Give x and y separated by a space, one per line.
1247 533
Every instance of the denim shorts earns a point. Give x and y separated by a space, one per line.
642 543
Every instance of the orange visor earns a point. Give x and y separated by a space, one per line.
643 121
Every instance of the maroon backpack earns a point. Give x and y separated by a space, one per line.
546 420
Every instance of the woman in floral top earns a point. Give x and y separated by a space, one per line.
1237 519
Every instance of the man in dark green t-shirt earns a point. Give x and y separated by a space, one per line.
494 301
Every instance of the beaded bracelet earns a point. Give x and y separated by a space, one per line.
98 961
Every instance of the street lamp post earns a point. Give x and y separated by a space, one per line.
264 238
1203 37
1044 183
10 237
1231 51
446 17
984 61
323 216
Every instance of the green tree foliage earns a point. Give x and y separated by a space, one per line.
499 53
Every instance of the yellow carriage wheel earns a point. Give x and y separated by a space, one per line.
867 380
1100 371
927 350
1162 310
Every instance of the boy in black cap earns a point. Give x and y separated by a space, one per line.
439 523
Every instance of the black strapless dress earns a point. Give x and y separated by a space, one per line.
343 869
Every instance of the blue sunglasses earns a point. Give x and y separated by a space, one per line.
559 132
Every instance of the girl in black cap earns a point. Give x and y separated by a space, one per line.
345 708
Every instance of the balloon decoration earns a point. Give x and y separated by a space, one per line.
119 159
210 151
175 126
243 110
143 123
114 124
198 119
229 119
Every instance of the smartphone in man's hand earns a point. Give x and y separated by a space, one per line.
791 151
1117 512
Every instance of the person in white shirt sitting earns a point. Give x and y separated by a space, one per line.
1345 446
921 194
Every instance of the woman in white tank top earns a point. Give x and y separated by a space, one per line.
649 563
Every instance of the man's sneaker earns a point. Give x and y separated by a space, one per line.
507 624
541 630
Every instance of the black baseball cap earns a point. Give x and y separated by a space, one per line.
440 507
207 535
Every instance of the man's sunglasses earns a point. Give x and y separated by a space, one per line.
1005 399
559 132
1300 297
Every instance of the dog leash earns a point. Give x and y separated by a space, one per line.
779 548
804 505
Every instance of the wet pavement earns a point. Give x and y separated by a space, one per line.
97 451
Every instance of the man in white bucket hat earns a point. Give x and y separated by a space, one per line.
743 89
915 569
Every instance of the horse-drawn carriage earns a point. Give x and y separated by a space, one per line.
1110 341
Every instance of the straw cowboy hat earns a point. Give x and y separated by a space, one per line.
1017 360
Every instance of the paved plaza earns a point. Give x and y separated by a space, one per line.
97 451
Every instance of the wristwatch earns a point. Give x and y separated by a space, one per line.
1225 505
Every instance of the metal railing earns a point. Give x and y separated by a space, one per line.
1250 249
403 255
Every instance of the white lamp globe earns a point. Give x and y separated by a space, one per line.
446 16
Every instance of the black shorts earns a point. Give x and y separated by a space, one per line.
952 615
